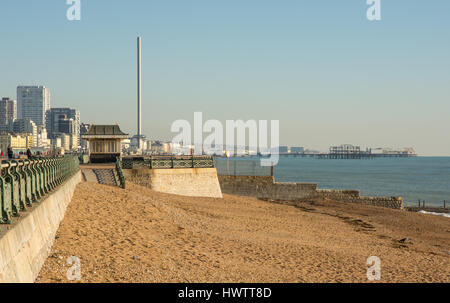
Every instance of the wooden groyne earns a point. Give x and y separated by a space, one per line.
422 205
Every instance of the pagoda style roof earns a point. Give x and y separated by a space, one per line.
105 131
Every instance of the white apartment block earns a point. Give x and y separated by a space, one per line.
42 137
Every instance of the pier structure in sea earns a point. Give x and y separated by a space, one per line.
348 151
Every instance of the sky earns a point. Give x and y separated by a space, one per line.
320 67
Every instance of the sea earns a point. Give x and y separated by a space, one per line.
417 178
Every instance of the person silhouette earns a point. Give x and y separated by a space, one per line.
29 154
10 152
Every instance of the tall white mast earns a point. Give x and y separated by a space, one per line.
139 122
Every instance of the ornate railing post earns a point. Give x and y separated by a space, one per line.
36 178
6 205
31 180
63 169
55 173
66 168
12 189
19 186
50 174
26 177
40 177
58 171
45 171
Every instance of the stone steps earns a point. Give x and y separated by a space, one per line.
101 176
106 176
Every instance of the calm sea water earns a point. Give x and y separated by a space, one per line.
424 178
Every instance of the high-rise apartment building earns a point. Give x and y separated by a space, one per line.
8 111
32 103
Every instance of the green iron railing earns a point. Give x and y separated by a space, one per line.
120 173
168 162
24 182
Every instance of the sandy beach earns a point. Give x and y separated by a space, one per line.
138 235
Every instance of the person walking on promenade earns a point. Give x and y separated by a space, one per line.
29 154
10 152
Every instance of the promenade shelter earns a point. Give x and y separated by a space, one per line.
104 143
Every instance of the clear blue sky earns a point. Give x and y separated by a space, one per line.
319 66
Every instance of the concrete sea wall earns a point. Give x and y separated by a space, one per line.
267 188
25 244
192 182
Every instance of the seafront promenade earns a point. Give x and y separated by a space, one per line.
189 225
138 235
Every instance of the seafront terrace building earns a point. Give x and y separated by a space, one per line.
18 142
24 126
